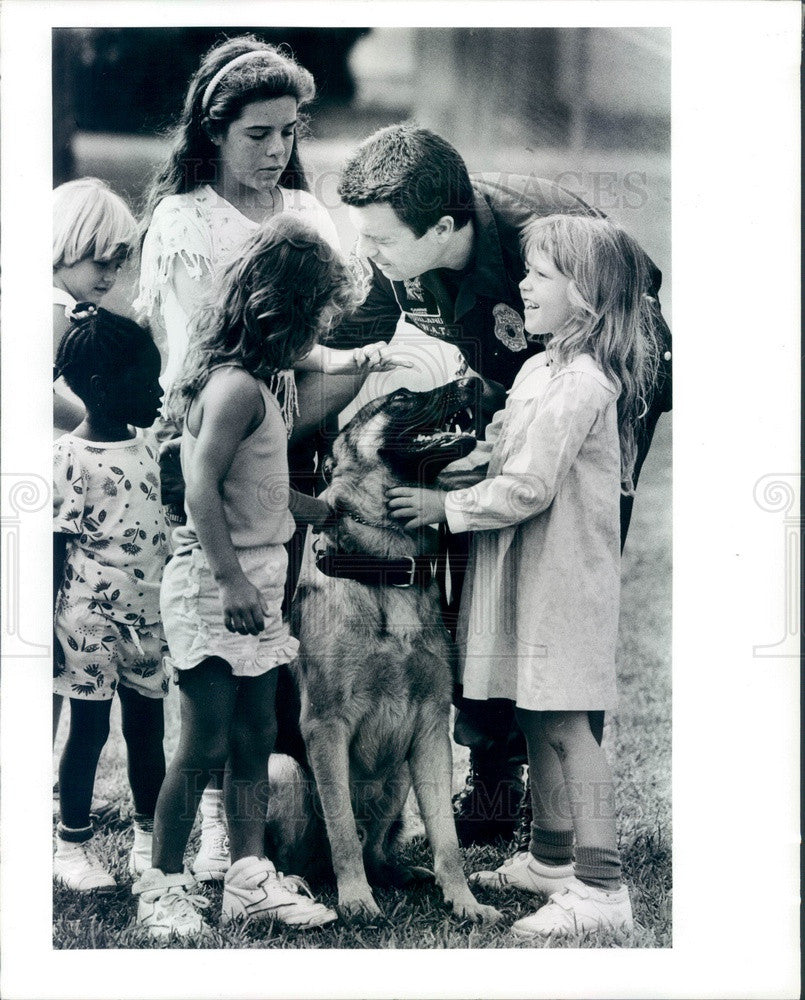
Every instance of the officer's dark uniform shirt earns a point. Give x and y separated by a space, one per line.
479 309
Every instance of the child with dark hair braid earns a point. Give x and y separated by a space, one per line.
110 548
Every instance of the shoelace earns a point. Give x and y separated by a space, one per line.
219 843
294 883
185 902
89 857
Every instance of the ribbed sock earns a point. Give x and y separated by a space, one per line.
143 822
551 847
73 836
599 867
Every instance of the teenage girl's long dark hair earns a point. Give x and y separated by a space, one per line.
193 159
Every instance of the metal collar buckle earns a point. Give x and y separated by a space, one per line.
410 581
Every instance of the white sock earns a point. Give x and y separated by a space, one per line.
212 806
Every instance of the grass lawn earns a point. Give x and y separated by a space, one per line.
638 740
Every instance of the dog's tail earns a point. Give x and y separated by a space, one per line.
295 837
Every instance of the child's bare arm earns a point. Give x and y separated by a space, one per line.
231 406
66 414
308 510
369 358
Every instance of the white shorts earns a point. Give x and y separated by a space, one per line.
193 616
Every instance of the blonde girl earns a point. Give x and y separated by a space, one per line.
222 591
539 619
93 233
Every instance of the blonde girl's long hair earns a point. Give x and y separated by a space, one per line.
268 307
616 315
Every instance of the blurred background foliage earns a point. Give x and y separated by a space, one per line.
561 87
587 107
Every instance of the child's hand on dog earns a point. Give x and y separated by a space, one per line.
378 358
416 506
244 606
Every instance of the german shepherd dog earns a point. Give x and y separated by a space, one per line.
375 669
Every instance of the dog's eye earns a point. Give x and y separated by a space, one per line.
327 469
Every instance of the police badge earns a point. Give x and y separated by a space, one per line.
509 327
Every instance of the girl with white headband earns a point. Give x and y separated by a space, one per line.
233 165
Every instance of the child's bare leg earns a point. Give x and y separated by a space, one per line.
551 840
89 730
551 809
207 700
252 735
143 723
588 779
57 704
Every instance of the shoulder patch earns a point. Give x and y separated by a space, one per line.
509 327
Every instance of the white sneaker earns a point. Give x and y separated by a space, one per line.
526 872
578 908
140 854
166 907
253 888
76 867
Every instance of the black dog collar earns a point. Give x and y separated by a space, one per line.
375 571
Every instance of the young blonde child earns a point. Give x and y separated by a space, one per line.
93 233
222 591
110 547
539 618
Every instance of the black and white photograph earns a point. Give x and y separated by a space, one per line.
367 514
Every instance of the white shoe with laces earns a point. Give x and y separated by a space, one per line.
166 906
76 867
254 889
576 909
524 871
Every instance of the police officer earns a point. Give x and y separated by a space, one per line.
444 251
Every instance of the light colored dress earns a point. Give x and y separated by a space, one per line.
204 231
539 611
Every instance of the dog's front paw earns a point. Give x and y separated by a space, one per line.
358 903
467 907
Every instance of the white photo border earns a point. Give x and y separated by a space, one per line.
735 174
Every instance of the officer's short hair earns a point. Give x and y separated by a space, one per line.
419 174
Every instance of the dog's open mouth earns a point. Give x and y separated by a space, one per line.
427 431
458 424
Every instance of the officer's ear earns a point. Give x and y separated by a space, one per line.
444 228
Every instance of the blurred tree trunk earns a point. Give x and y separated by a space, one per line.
489 86
65 57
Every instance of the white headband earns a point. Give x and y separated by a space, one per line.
205 100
